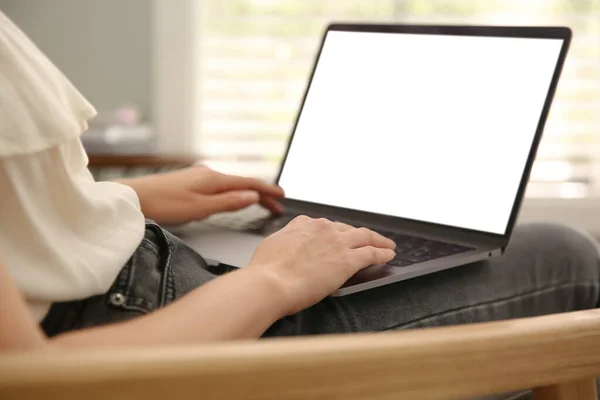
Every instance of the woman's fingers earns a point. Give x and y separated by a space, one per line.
363 237
231 182
271 204
353 237
370 255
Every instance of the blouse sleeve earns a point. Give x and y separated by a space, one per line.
39 107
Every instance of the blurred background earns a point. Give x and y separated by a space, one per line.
221 80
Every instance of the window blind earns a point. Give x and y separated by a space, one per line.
256 57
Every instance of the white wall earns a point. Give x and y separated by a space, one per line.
104 46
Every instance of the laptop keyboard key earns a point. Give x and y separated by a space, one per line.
441 253
412 249
420 252
399 263
388 235
405 247
399 239
411 258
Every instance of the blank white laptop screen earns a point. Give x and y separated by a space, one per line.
434 128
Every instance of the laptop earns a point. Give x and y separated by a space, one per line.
426 134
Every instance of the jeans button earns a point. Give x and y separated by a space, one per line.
117 299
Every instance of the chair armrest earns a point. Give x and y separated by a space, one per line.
437 363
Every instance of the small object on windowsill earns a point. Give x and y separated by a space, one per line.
127 116
120 131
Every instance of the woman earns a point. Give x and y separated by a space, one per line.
80 265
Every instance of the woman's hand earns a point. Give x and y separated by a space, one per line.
311 258
197 192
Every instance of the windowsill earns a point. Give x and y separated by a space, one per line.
580 213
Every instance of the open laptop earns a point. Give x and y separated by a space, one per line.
426 134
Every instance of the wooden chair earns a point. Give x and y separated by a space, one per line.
556 355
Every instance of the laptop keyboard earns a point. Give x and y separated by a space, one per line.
409 249
412 250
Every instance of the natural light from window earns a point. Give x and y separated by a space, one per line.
256 57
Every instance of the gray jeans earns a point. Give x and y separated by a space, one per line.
546 269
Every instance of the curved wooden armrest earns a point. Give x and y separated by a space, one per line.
438 363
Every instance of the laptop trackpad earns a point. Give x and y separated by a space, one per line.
227 247
371 273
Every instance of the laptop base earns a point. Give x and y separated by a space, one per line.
231 248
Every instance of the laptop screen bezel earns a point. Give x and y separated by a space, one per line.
563 33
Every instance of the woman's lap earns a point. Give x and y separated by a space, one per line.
546 269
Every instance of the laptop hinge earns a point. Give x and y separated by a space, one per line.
389 223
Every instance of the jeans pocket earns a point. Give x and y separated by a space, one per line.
146 282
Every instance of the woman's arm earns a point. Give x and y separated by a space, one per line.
18 331
197 192
290 271
239 305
